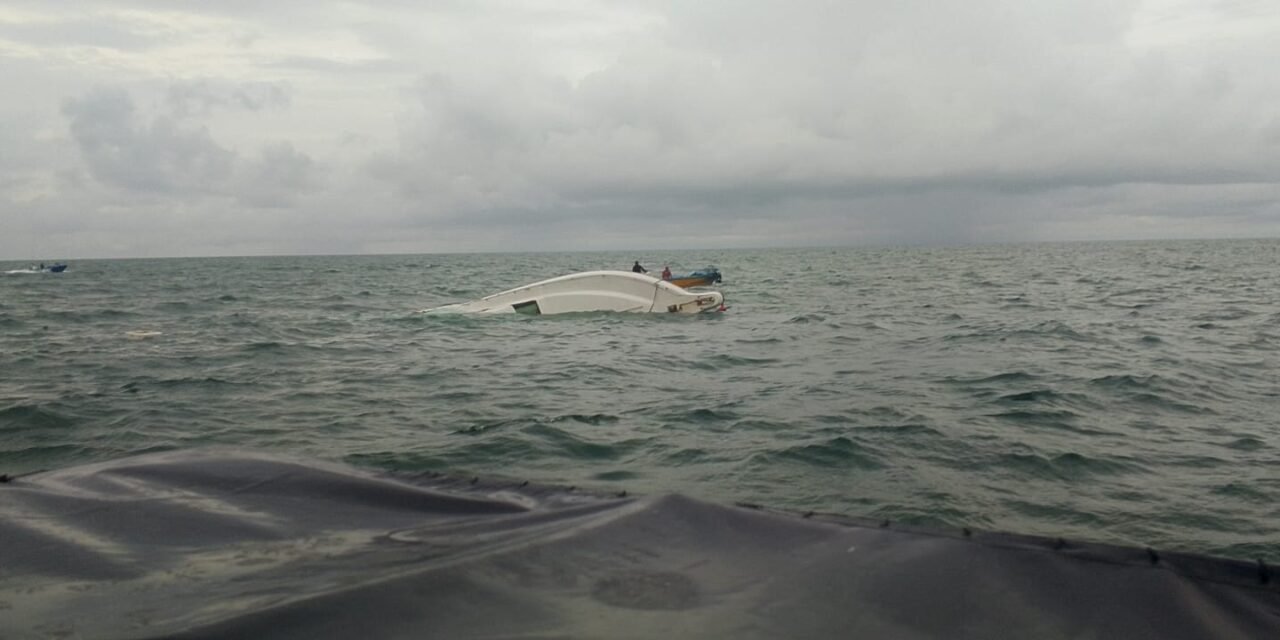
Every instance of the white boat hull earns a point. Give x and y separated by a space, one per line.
620 291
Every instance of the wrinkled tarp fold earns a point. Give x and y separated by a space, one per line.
232 544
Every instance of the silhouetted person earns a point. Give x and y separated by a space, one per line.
636 268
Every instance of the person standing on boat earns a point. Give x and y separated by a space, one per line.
666 272
636 268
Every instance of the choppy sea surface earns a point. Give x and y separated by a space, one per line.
1115 392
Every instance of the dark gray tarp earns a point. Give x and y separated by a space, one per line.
229 544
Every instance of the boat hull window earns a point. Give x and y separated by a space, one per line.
529 308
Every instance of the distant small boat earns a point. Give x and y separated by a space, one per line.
700 278
593 291
43 268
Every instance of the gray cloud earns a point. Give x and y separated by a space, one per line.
601 124
319 65
277 178
124 150
200 97
82 31
162 155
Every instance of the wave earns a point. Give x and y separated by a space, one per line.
995 378
84 316
595 419
899 430
845 339
1066 466
565 443
27 416
1049 330
1044 396
807 318
704 416
839 452
758 340
1246 443
1225 315
1163 402
1127 381
1244 491
728 361
193 381
1060 419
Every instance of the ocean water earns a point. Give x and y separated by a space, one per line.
1115 392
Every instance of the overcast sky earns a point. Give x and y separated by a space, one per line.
237 127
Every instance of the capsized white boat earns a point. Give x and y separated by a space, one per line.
593 291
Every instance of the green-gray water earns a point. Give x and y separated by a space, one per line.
1122 392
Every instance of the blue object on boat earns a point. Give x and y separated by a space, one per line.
700 278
